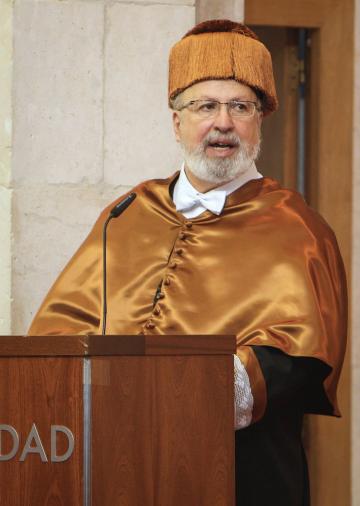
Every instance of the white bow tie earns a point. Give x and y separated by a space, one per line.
213 201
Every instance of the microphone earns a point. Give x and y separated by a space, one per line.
121 206
114 213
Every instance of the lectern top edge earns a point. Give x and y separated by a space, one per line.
113 345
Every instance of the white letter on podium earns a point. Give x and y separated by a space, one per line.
71 443
15 438
33 449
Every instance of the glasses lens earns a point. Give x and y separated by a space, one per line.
205 108
241 108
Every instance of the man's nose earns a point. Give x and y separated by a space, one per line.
223 120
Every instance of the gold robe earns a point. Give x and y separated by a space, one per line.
268 270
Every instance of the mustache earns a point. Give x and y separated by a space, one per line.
217 137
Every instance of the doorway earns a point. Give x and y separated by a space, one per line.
328 180
283 156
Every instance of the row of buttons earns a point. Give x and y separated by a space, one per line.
172 265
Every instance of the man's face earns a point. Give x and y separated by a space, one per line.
219 148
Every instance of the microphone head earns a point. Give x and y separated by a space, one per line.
122 205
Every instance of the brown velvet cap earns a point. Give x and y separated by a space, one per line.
222 49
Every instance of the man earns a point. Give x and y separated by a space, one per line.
218 249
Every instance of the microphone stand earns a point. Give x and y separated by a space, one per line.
114 213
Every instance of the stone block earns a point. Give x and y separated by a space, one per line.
57 99
49 224
226 9
139 141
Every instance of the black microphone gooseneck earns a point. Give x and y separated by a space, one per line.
114 213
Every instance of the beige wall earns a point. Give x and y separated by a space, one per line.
90 120
220 9
5 163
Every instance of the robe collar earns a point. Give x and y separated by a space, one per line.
191 203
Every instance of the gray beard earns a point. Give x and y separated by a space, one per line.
220 170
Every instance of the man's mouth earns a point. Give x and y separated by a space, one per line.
222 142
221 145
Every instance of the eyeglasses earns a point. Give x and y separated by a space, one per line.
211 108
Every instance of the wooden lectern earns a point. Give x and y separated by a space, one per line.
117 421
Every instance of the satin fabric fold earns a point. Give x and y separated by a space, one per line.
267 270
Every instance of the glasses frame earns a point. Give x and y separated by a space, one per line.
256 106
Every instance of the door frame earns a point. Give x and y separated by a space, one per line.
329 190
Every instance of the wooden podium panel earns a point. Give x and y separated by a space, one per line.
173 418
44 391
151 418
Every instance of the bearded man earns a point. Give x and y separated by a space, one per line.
219 249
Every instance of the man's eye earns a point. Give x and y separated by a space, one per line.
240 106
207 106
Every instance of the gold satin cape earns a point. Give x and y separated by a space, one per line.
268 270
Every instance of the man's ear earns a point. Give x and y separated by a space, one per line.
176 124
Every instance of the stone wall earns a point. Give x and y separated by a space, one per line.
6 10
90 120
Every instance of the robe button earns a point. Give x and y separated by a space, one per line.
182 236
167 282
173 265
179 251
188 224
150 325
156 311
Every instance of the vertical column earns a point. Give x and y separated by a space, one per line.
6 51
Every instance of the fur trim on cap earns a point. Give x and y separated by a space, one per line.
222 49
221 25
